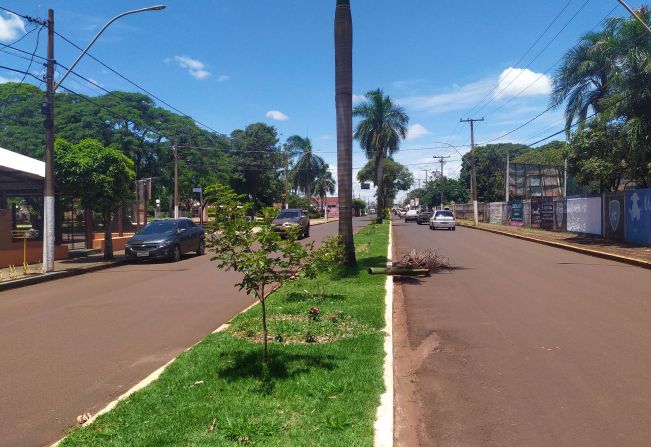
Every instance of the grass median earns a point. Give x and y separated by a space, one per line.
322 387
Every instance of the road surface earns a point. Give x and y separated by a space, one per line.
71 346
524 345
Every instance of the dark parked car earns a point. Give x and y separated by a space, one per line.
167 239
292 216
424 216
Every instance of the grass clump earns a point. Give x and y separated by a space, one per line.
322 392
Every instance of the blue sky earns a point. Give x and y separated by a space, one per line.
229 63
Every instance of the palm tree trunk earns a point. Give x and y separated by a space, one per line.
344 107
379 182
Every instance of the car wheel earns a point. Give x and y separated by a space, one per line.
454 228
307 232
201 249
176 253
418 222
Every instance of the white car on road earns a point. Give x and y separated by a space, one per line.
411 215
443 219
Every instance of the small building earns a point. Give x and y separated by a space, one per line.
331 203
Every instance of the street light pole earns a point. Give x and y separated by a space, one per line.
51 87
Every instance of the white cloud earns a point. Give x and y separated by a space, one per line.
97 83
195 67
358 98
11 26
277 115
416 131
222 78
325 136
514 81
467 96
3 80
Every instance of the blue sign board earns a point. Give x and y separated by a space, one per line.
638 216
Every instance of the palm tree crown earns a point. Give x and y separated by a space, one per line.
324 185
308 165
383 125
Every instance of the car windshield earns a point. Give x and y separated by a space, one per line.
289 215
444 214
159 227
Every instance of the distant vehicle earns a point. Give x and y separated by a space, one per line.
402 213
292 216
443 219
168 239
424 216
411 215
371 211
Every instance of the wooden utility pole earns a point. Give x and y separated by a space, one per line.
442 178
473 181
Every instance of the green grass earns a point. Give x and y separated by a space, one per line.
322 393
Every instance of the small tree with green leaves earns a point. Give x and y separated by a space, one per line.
265 259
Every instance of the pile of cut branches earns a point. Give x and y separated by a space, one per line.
424 259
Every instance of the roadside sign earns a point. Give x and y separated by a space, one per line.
199 189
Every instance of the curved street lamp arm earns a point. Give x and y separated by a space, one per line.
150 8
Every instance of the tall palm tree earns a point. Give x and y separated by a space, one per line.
324 184
344 107
383 125
585 77
308 165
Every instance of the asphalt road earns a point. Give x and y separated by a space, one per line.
73 345
529 345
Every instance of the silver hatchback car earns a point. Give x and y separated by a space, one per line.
443 219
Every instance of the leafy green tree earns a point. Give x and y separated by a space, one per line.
343 33
258 162
599 154
265 259
307 165
455 191
553 153
102 177
396 177
383 125
491 169
21 120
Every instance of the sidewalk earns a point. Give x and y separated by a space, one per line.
590 245
62 269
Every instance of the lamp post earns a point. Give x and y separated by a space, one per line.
51 86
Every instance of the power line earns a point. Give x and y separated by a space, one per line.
138 86
31 59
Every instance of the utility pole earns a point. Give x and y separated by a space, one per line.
176 181
473 182
565 178
48 190
508 175
426 171
442 178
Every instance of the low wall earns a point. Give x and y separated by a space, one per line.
13 255
118 242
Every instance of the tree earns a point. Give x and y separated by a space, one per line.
383 125
307 165
395 177
585 75
259 162
102 177
265 259
21 120
430 194
343 103
325 183
490 163
599 154
553 153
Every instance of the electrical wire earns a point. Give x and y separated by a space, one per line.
31 60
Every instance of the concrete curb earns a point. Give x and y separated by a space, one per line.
58 275
585 251
383 425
